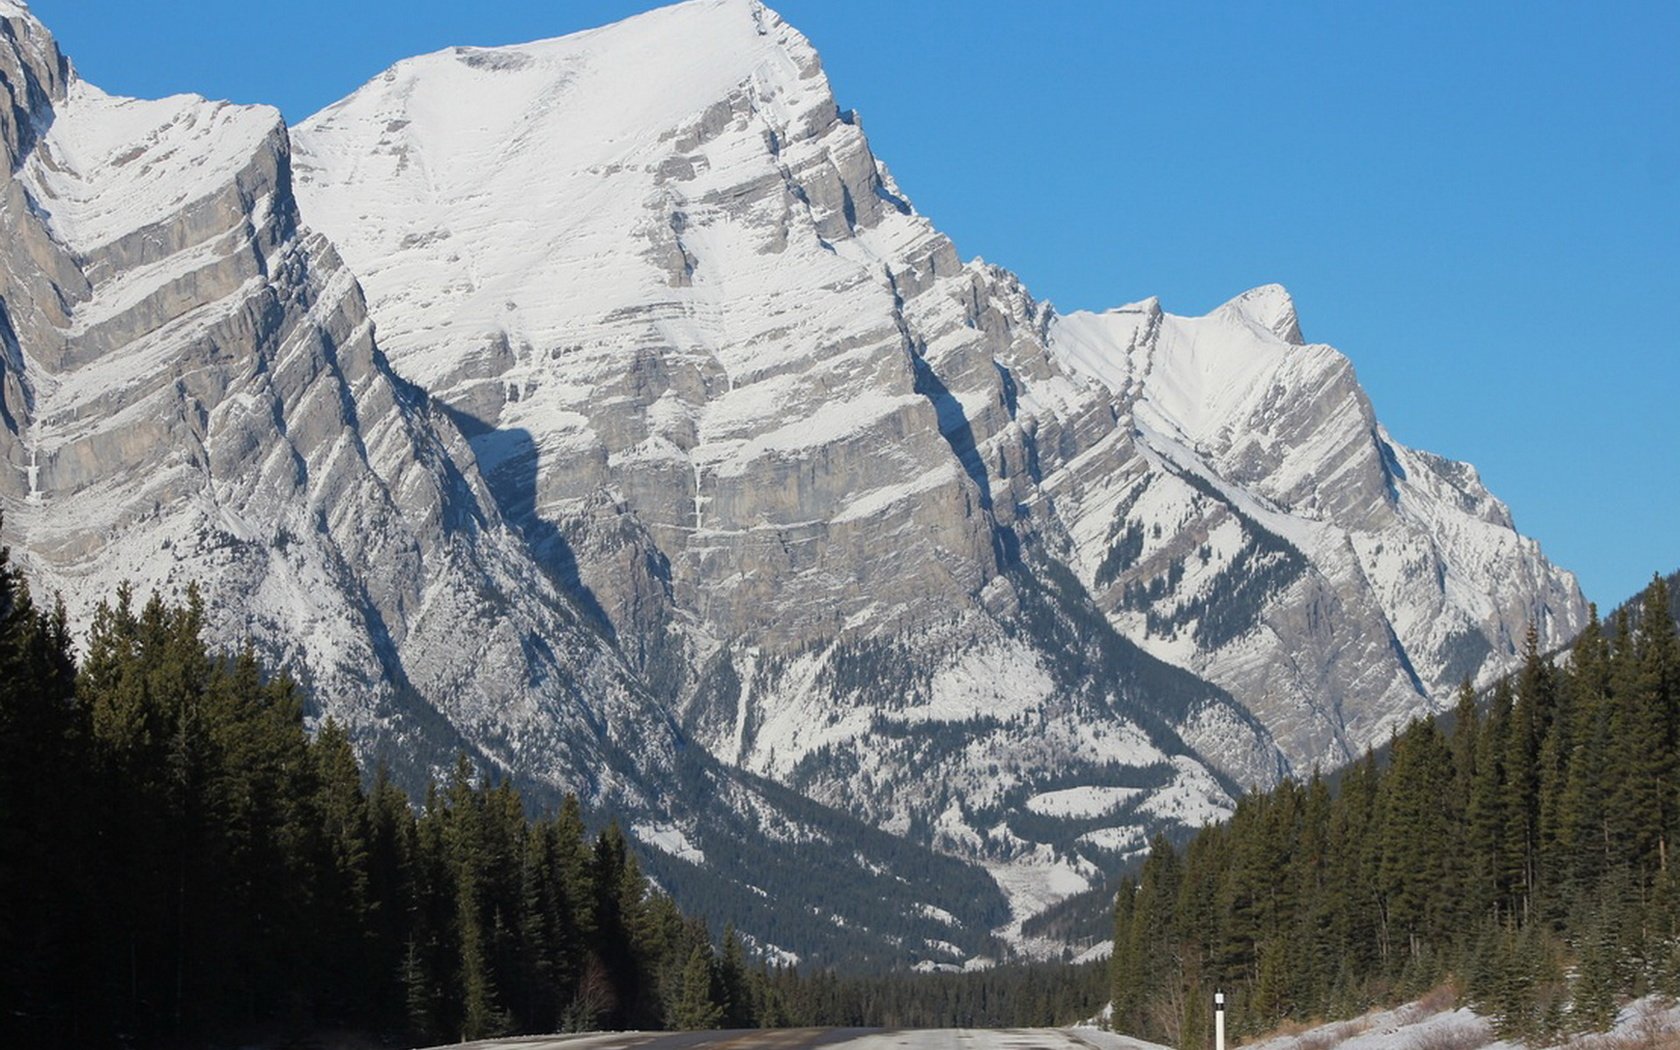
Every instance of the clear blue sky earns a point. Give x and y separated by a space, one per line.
1478 203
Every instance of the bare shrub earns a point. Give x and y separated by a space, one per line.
1330 1036
1442 997
1651 1029
1289 1028
1321 1039
1472 1036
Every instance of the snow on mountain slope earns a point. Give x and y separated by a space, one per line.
1266 450
624 245
874 522
692 429
669 299
191 393
194 395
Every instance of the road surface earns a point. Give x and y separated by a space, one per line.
831 1039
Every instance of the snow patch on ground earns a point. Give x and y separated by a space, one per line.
1085 801
1194 798
1034 882
1127 839
938 915
997 681
669 839
1651 1022
773 954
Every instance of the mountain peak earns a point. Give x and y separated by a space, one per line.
1270 307
600 92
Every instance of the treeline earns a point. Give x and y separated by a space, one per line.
1022 995
181 861
1528 855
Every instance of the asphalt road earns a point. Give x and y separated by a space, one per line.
847 1038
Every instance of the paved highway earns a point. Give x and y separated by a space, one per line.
836 1038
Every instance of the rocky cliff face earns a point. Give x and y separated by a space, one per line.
194 394
693 431
1264 530
758 415
769 408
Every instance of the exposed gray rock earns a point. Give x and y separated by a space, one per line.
694 431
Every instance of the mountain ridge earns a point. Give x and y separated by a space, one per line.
750 459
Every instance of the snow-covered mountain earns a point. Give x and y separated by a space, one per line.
691 468
191 392
764 406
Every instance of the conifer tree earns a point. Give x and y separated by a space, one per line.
734 986
1489 887
698 1007
1581 847
347 961
1417 845
1658 688
468 841
1528 725
43 817
1527 854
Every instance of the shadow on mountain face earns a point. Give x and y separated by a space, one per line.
507 459
954 428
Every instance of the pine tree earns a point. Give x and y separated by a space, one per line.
1596 979
391 892
1358 919
346 958
1529 722
698 1007
617 914
1583 831
44 855
733 985
1151 942
1489 887
469 848
1126 988
1640 797
1658 685
1417 845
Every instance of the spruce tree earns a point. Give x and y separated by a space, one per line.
1417 843
1488 891
698 1007
45 855
734 986
346 953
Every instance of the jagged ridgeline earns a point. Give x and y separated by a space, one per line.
1527 855
602 407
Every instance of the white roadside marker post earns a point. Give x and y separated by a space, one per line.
1219 1020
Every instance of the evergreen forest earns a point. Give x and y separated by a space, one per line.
182 861
183 864
1520 852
